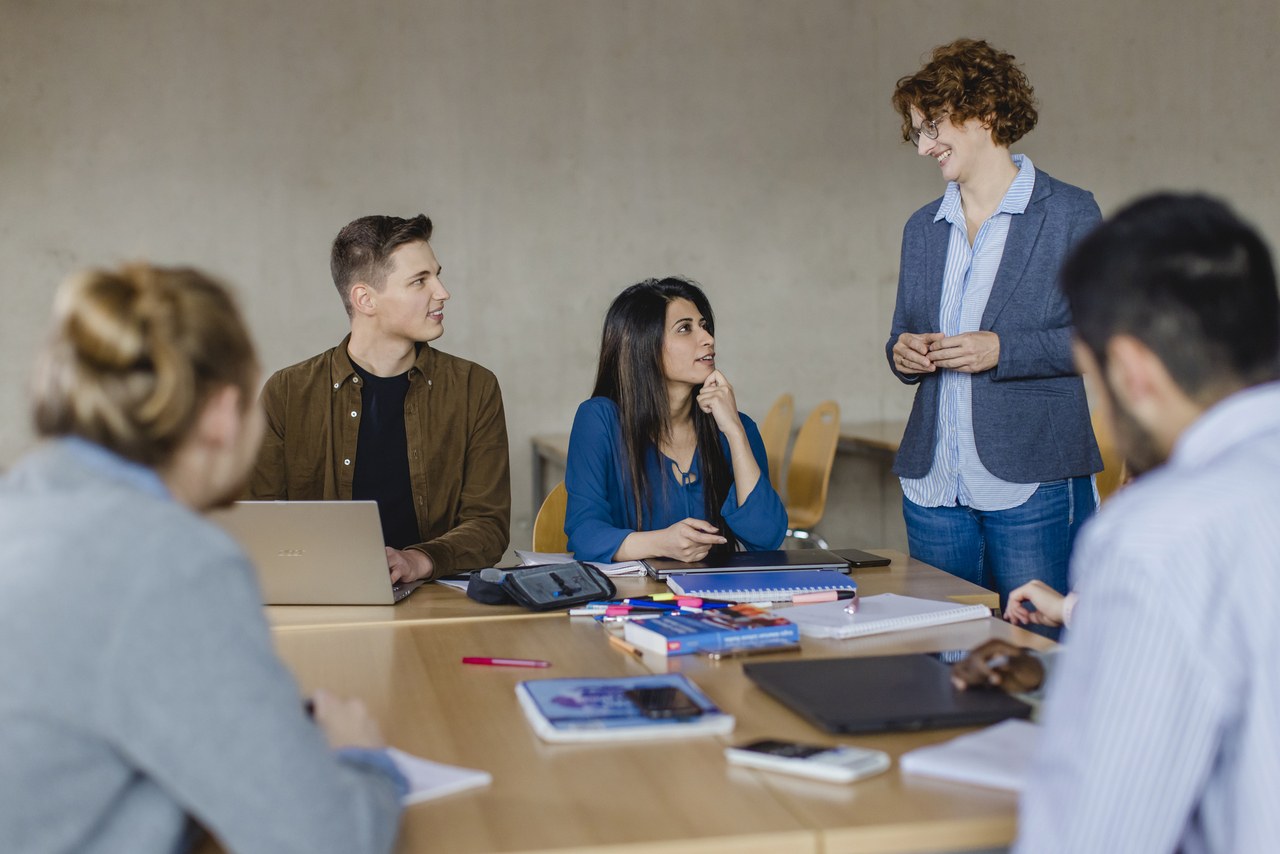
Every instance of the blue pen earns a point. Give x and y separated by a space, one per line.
649 604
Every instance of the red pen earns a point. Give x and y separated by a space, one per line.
507 662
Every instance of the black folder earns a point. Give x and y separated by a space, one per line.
880 694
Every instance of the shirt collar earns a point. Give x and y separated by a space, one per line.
112 465
1015 198
1240 418
341 368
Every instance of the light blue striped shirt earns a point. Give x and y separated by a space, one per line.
957 475
1162 724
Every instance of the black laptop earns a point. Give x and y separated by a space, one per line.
880 694
660 568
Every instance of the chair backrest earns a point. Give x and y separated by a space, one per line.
1113 468
775 430
809 470
548 525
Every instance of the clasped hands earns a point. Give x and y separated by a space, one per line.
968 352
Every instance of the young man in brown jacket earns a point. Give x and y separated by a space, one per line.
384 416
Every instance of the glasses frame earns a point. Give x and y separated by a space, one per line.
929 128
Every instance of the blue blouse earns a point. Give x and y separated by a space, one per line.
601 512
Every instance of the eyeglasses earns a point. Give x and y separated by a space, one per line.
929 129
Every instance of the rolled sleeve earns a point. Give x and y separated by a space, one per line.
760 522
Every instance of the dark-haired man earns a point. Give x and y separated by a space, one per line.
1162 725
384 416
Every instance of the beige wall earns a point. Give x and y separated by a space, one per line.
567 148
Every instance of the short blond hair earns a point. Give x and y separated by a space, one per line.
134 354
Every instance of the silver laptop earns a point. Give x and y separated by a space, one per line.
315 552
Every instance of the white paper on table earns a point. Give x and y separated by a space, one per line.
998 757
457 582
629 567
429 780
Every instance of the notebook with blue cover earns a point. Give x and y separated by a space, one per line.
760 586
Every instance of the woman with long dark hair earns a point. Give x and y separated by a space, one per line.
661 462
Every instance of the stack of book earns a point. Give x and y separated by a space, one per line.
716 630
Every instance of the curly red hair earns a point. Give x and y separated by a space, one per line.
970 79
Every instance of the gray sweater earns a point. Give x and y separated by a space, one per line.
139 688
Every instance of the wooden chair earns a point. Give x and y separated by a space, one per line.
548 525
775 430
1113 473
809 471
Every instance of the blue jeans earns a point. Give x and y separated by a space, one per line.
1004 549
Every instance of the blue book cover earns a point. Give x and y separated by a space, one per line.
766 586
741 626
599 709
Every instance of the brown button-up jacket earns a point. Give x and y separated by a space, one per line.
457 439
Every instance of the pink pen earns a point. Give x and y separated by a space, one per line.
507 662
816 596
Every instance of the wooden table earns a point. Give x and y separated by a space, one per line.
437 603
670 796
877 438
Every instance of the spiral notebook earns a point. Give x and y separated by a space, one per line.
886 612
766 586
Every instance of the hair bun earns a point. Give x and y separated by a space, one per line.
132 354
105 317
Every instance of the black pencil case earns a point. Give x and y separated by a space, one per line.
541 588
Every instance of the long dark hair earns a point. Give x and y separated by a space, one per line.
630 374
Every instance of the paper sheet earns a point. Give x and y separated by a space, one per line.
429 780
998 757
630 567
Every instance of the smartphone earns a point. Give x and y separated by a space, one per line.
833 764
665 702
859 559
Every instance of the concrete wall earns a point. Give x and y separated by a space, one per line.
566 148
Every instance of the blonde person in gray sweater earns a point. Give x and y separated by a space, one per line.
140 699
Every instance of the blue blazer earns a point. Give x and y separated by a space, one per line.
601 511
1030 417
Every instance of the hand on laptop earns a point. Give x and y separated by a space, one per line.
408 565
689 540
998 664
345 722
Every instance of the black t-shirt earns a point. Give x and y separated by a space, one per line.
382 457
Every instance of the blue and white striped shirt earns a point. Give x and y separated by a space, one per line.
957 475
1162 725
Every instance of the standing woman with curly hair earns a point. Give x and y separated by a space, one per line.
997 460
661 462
